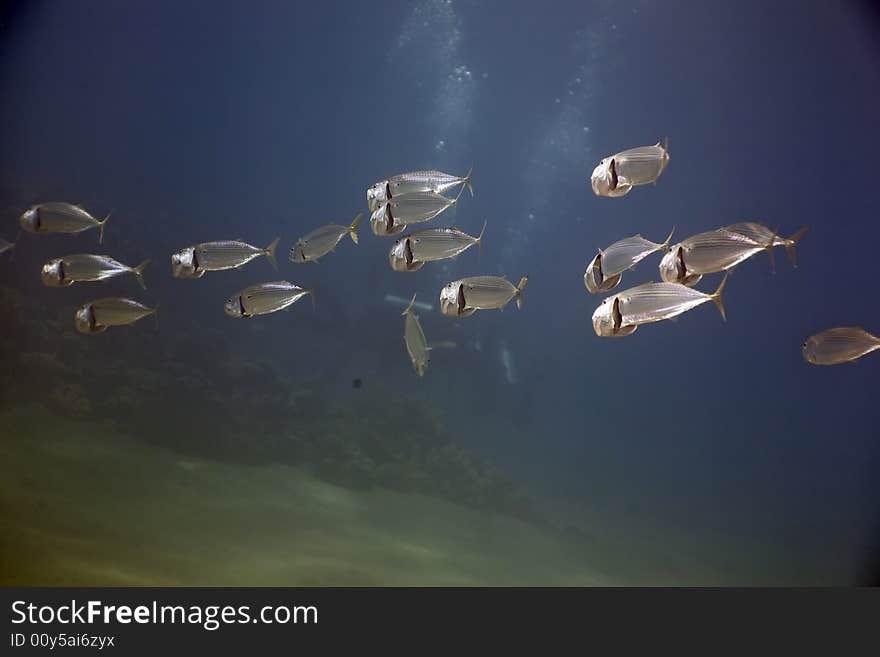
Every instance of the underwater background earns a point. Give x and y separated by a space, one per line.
300 448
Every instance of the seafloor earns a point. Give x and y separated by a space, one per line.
81 504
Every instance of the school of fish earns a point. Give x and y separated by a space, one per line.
418 197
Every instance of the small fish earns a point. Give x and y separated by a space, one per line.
414 208
623 313
62 272
415 181
617 174
95 316
411 252
323 240
467 295
265 298
61 218
416 343
839 345
721 250
193 261
605 269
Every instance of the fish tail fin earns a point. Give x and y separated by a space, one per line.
311 292
410 306
139 272
791 245
270 253
519 291
468 180
666 143
665 246
352 229
716 297
101 225
480 241
156 316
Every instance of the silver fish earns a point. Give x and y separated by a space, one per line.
839 345
95 316
61 218
414 208
411 252
415 181
605 269
323 240
617 174
221 255
721 250
416 343
465 296
265 298
62 272
622 313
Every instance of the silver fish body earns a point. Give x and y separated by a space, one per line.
413 182
264 298
839 345
96 316
62 272
416 343
414 208
323 240
230 254
60 218
707 253
465 296
618 174
410 252
721 250
651 302
604 271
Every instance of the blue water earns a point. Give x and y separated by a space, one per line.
199 121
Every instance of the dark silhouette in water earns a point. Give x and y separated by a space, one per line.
356 383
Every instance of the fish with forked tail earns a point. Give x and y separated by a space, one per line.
465 296
96 316
265 298
617 174
63 272
623 313
194 261
415 181
323 240
54 217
